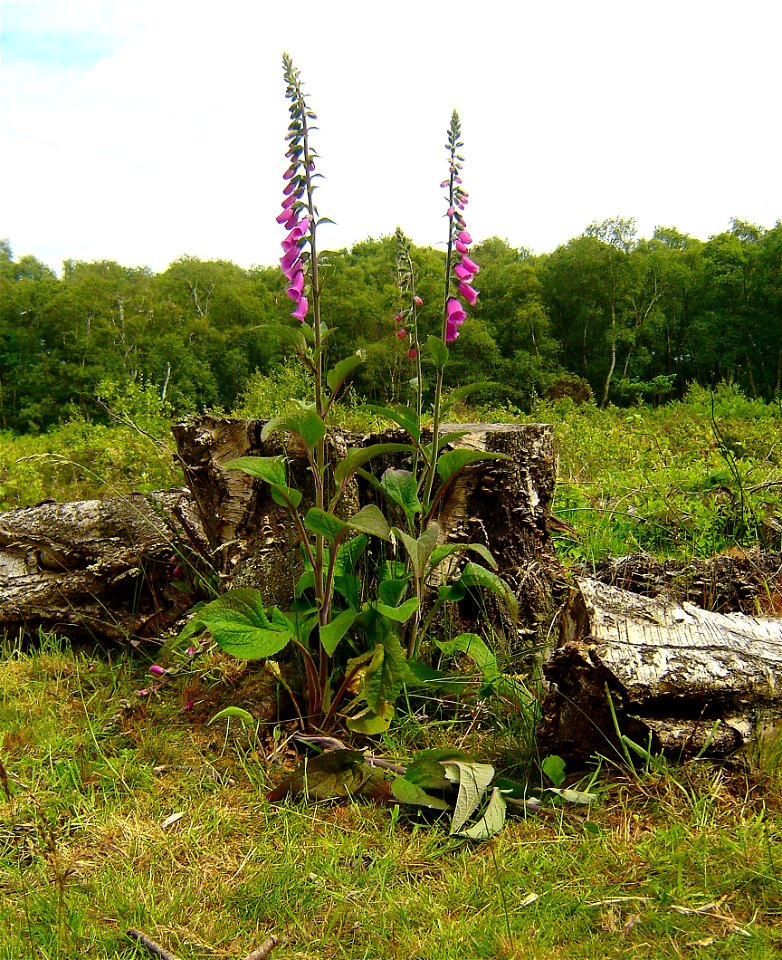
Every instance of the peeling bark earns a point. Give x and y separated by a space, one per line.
690 679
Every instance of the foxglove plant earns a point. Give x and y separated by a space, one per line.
328 603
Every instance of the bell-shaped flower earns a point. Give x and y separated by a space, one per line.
455 317
469 294
401 333
461 247
301 310
468 265
465 237
296 290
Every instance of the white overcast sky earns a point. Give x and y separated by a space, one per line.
144 131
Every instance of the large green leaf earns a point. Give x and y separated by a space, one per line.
475 648
385 674
448 549
428 773
437 351
456 396
405 417
356 459
370 723
491 821
333 775
335 630
324 524
341 371
305 422
370 519
474 780
406 792
399 614
401 487
473 575
269 469
241 627
421 549
453 461
272 471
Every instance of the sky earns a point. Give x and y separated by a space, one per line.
142 132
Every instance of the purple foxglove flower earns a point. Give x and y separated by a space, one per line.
450 212
418 301
399 318
296 290
290 187
158 671
451 330
444 184
290 172
462 273
465 237
401 333
461 247
301 311
469 265
412 353
289 201
455 311
288 218
288 260
470 295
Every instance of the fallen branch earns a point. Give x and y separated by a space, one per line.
264 950
154 948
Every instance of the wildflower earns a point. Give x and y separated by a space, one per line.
401 333
469 294
455 316
418 301
412 353
158 671
300 312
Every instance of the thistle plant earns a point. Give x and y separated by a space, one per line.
380 621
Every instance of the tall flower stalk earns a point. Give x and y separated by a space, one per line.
459 273
300 216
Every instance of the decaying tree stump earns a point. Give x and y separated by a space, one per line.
696 681
96 569
102 568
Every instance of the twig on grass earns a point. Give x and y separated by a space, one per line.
154 948
264 950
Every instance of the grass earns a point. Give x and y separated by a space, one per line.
128 811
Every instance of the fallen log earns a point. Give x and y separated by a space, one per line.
669 675
106 569
97 569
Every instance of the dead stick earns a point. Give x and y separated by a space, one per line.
264 950
154 948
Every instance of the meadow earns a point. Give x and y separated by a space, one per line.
125 804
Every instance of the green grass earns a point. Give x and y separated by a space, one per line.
671 863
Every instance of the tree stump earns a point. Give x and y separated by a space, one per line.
678 678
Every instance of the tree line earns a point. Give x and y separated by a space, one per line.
608 314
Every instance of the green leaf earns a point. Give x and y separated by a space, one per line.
269 469
272 471
385 674
421 549
554 768
437 351
474 575
356 459
453 461
454 396
428 774
406 792
335 630
401 487
404 417
304 422
400 614
447 549
244 715
239 624
491 821
324 524
474 780
392 591
342 370
571 796
296 336
369 723
475 648
370 520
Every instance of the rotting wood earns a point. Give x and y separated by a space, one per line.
97 569
691 680
103 569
